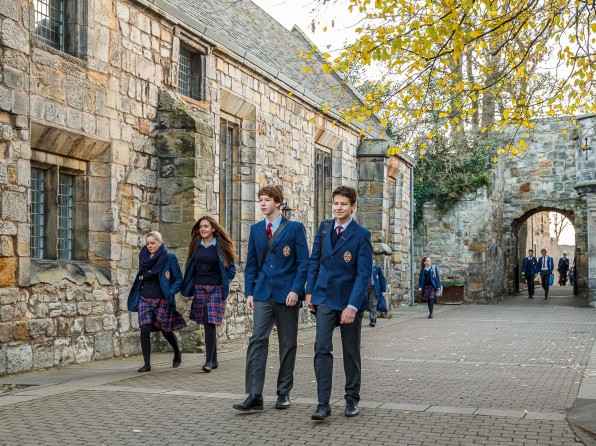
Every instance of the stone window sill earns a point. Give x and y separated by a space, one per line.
55 271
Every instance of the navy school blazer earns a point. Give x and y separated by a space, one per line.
435 278
285 267
341 276
227 274
530 266
169 286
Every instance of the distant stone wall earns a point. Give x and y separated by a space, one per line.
147 158
465 242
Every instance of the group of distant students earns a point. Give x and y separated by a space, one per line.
544 266
334 282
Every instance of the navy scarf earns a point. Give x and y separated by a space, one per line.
152 266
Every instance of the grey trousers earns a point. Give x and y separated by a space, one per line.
327 320
373 300
286 319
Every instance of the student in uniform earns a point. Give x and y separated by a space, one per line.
158 280
209 270
338 275
274 277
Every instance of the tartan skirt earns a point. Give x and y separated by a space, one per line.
155 313
428 292
208 298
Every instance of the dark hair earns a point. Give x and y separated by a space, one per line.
423 260
346 191
228 253
276 192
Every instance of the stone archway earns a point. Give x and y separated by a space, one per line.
516 253
545 178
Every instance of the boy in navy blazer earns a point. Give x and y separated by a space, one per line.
546 265
529 269
273 293
338 275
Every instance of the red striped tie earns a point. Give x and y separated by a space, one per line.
268 230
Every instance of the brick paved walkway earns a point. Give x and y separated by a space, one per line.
503 374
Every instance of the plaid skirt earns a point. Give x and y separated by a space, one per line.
208 298
155 313
428 292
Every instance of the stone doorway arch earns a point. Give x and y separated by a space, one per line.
515 254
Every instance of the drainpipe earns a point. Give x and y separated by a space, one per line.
412 266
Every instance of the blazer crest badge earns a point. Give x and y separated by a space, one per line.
347 256
286 251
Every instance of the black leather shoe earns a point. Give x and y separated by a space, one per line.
372 324
283 402
430 316
145 368
322 412
177 361
250 404
206 368
351 409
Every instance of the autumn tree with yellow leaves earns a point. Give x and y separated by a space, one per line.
470 65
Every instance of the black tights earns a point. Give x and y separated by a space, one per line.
146 342
431 304
210 342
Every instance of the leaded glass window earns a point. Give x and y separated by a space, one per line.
323 187
38 178
49 22
65 216
184 72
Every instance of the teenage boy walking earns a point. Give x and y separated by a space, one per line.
338 275
274 277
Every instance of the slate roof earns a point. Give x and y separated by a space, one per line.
246 29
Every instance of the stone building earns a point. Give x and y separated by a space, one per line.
121 117
479 239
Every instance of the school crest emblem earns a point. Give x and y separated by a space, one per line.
347 256
287 250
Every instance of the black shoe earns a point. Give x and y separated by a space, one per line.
322 412
351 409
145 368
177 360
214 366
530 297
207 368
250 404
546 298
283 402
372 324
430 316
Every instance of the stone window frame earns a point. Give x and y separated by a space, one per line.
75 27
55 165
198 64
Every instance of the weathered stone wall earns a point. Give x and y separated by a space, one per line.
585 146
479 239
145 158
465 242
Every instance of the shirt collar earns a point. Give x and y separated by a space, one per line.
213 243
275 223
344 226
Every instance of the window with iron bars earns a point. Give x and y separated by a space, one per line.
323 186
52 214
62 24
191 73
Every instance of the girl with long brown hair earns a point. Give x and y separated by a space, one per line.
209 270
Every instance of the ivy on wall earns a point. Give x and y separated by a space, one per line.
445 172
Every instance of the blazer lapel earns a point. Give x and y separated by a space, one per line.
280 235
345 236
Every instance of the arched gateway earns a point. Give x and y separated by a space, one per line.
476 241
557 174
